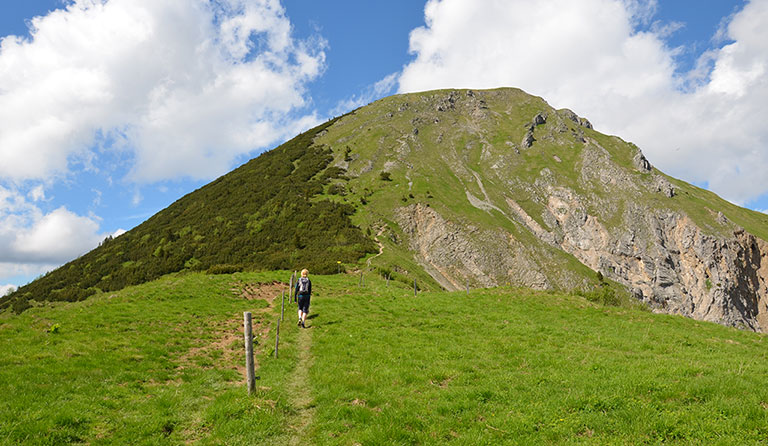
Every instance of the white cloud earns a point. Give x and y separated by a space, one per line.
706 126
33 241
184 85
37 193
5 289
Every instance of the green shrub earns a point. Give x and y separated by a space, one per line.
224 269
604 295
337 189
20 305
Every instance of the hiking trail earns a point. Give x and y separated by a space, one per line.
381 247
299 389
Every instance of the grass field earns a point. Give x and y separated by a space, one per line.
162 363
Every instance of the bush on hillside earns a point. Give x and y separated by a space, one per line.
603 294
224 269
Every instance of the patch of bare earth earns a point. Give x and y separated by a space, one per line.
225 347
226 342
264 291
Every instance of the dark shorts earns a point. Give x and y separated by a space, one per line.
304 303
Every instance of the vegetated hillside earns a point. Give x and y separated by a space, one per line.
458 188
497 187
161 363
262 216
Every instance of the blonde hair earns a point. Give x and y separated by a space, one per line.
304 272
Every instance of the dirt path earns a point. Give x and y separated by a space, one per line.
381 247
300 390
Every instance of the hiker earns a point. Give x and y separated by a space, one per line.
303 291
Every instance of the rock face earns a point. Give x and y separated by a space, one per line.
669 262
663 258
453 253
550 211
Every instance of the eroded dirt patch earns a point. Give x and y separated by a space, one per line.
225 344
267 291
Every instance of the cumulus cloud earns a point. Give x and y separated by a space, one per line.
184 86
33 241
601 59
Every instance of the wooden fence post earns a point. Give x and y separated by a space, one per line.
387 280
360 282
290 289
467 287
250 376
282 307
277 338
414 287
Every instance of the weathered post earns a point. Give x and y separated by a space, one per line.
387 280
414 288
360 282
277 338
282 307
295 280
467 287
290 289
249 352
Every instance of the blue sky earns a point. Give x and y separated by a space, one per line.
112 110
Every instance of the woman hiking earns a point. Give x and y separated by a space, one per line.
303 291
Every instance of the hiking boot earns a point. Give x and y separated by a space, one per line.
298 324
302 325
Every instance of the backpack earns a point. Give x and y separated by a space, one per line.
303 285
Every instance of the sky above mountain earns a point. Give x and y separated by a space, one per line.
110 110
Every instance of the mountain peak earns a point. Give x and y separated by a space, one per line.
457 188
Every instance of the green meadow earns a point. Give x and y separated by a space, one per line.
162 364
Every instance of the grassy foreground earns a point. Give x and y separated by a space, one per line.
161 363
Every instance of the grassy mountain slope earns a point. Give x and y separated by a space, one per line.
260 216
158 364
441 147
457 187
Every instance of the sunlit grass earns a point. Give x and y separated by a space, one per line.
519 367
158 364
